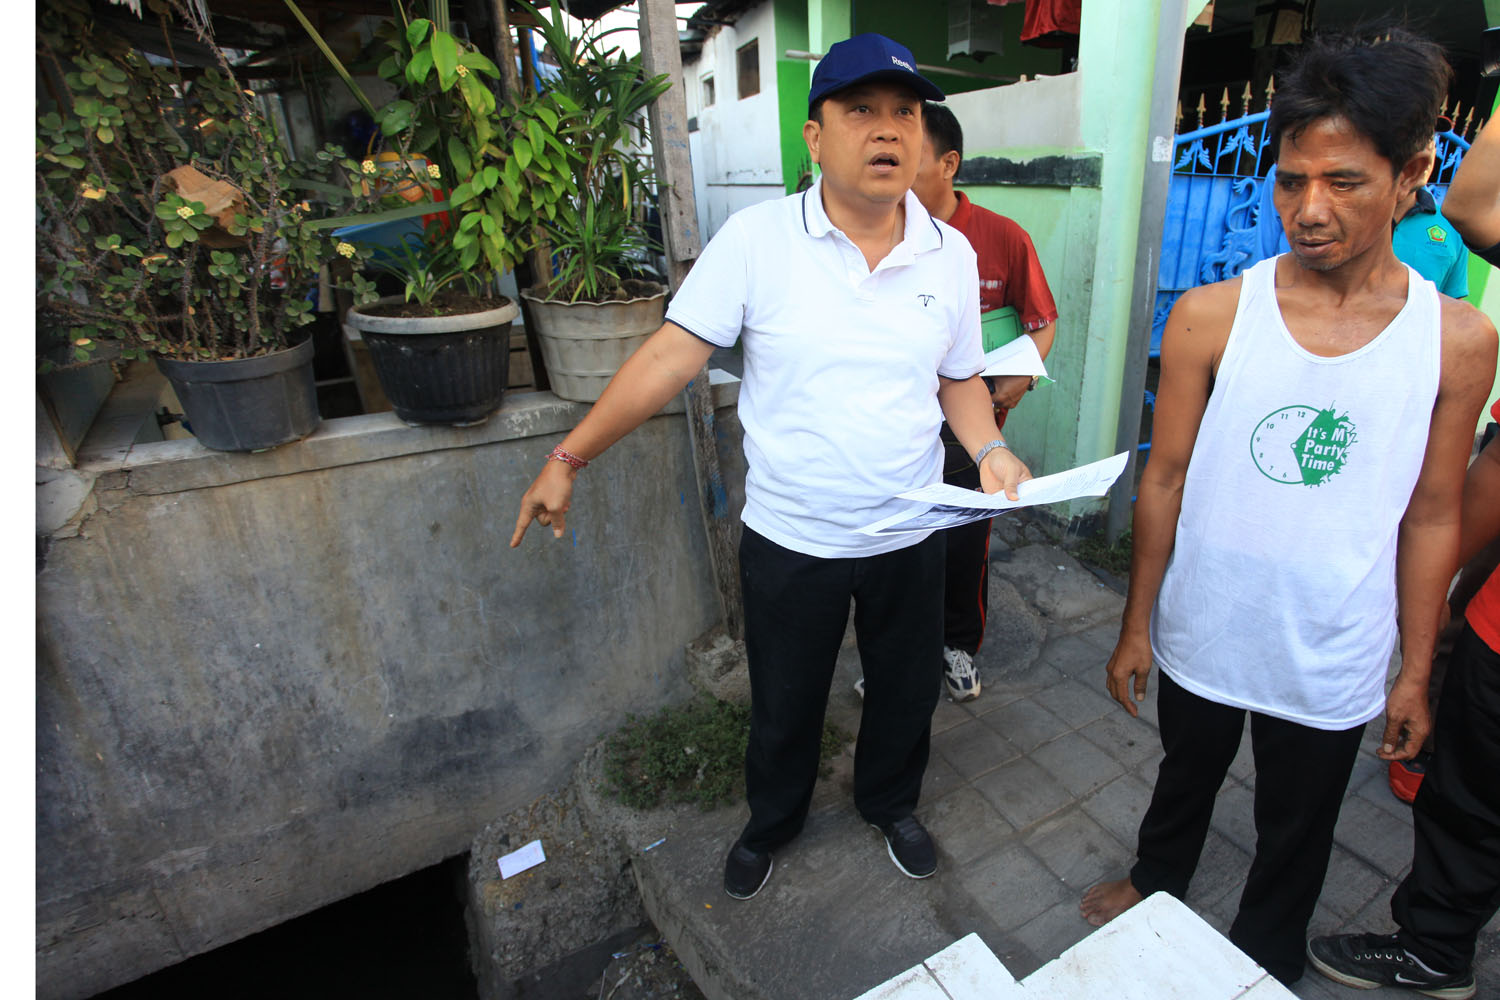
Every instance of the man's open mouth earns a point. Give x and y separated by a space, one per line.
890 160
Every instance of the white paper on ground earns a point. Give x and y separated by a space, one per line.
1019 357
519 860
943 506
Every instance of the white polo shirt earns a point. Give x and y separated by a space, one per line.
839 402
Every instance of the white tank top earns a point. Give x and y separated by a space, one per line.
1280 595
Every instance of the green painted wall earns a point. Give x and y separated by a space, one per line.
1062 223
927 37
793 76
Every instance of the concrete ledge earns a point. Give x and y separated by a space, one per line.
173 466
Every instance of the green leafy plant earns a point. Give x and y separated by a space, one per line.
598 101
121 254
507 163
688 753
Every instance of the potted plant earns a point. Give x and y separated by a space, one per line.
171 222
594 312
441 348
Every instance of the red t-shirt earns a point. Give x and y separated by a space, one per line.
1483 613
1009 272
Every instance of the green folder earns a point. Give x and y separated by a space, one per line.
999 327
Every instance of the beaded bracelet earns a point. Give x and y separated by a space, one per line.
568 457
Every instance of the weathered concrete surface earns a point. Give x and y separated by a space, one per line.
1033 792
266 682
581 895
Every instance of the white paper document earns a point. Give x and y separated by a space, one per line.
519 860
943 506
1019 357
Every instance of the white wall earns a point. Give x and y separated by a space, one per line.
736 149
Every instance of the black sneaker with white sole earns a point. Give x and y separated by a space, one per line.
910 847
1370 961
745 871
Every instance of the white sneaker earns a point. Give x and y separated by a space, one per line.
960 675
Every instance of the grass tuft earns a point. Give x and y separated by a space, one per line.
688 753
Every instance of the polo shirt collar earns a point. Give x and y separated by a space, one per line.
921 233
960 217
1423 205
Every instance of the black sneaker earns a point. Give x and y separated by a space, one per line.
1369 961
745 871
910 846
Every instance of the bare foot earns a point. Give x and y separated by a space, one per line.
1108 900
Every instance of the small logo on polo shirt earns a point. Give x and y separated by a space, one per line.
926 300
1437 234
903 64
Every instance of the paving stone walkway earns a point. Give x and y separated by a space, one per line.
1034 792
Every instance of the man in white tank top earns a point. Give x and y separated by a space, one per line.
1313 424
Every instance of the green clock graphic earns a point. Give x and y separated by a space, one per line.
1301 444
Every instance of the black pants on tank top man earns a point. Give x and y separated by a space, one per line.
1301 775
796 611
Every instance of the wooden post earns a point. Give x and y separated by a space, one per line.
540 257
679 226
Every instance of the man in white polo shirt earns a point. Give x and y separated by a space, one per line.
859 317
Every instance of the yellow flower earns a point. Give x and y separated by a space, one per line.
185 212
433 171
367 167
461 70
345 249
93 193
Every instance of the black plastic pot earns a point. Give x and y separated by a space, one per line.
249 403
440 370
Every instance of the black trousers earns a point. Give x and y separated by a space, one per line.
966 581
1301 775
1454 885
796 608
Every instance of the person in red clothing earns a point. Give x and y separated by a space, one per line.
1454 886
1009 275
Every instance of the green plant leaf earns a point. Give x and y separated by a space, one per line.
419 67
522 150
445 57
416 31
458 154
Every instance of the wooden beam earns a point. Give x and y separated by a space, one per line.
679 226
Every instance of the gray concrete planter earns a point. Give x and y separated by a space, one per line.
247 404
585 343
440 369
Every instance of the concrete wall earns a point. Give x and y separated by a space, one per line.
736 148
267 682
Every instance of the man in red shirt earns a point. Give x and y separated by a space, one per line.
1009 275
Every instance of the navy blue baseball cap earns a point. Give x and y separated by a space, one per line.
864 58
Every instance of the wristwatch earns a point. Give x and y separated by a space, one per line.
1034 380
997 443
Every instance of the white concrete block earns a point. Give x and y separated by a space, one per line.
915 983
968 970
1158 950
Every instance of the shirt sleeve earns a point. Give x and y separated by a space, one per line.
1456 281
710 304
965 358
1026 288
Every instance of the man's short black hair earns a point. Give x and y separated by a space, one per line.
1389 86
943 129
